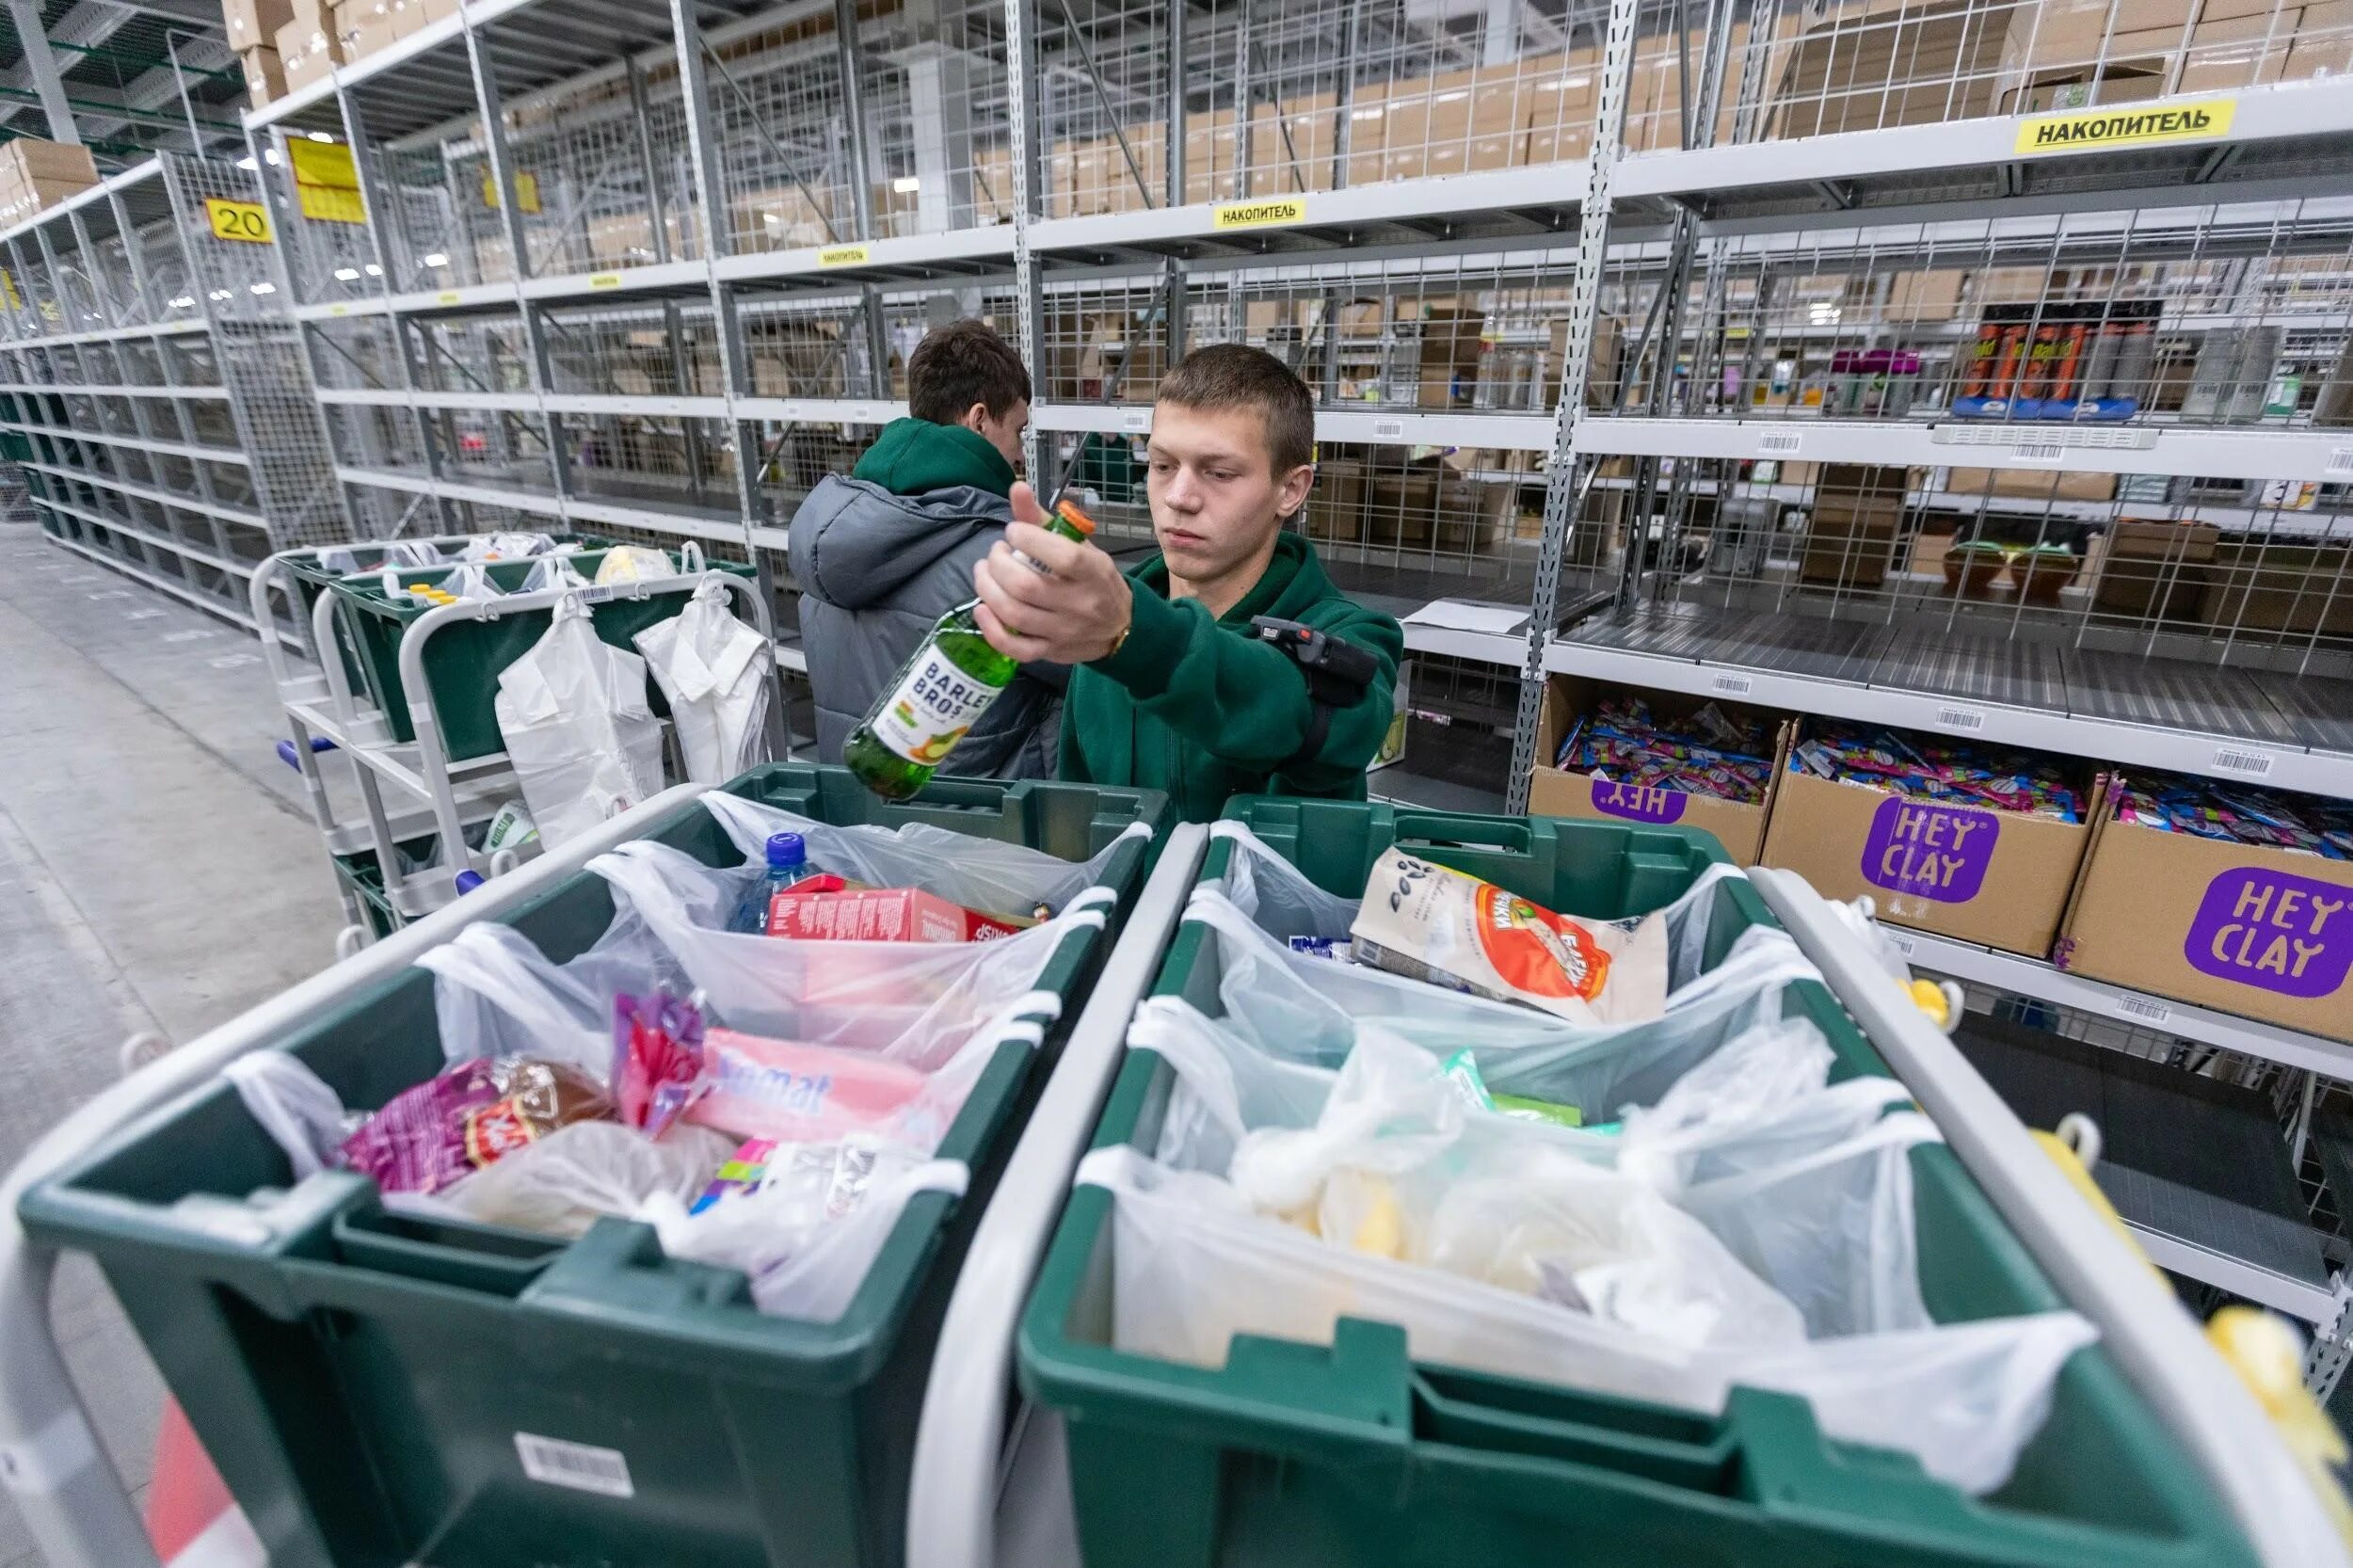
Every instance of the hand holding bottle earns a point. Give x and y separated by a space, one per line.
1047 598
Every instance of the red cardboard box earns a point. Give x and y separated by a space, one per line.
881 914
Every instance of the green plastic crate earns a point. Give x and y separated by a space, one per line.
1352 1454
308 579
462 662
361 1379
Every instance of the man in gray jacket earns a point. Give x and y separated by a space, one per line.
882 554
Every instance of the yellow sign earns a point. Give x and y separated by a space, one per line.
238 221
8 291
1258 214
841 255
447 297
2101 130
327 186
526 191
605 279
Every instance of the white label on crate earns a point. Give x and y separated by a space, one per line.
1388 429
598 594
1779 443
2247 764
2146 1008
1959 718
2038 452
553 1462
2341 460
1135 418
1733 685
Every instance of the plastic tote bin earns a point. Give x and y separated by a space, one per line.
311 578
361 1379
462 662
1314 1456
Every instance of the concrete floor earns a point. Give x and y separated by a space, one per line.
158 871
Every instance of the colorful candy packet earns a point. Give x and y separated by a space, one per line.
1710 753
2239 813
466 1117
1926 768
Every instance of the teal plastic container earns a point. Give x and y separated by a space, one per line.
368 1382
462 662
1354 1456
308 574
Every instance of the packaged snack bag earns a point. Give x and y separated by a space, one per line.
469 1117
789 1092
1431 923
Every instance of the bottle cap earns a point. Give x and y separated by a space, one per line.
785 850
468 881
1068 511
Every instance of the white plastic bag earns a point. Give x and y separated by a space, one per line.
1192 1268
495 994
714 672
804 1249
506 546
584 744
561 1184
913 1003
299 1108
629 563
979 874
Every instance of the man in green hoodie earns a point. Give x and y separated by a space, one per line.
1169 689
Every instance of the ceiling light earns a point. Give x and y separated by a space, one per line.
220 294
263 288
269 154
247 165
375 271
319 136
907 185
437 260
186 302
347 275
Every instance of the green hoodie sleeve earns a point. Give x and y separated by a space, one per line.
1244 702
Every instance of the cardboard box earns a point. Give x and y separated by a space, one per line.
1401 504
27 160
882 915
2280 587
363 27
1978 875
2156 569
1852 545
2264 933
1554 791
264 77
1911 65
2030 484
1336 507
254 23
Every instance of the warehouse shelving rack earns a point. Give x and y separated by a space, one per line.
152 390
1516 247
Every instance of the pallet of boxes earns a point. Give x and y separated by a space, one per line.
36 174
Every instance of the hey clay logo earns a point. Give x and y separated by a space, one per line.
2283 933
1933 852
1637 802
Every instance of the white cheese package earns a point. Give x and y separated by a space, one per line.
1429 922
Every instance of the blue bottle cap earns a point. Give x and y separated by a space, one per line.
786 851
468 881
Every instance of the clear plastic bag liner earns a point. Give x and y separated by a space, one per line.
299 1108
1276 895
1192 1267
979 874
562 1183
804 1257
914 1002
495 994
1304 1008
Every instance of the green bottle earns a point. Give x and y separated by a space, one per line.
940 693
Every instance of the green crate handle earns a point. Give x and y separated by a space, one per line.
1444 830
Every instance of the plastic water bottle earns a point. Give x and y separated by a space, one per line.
788 862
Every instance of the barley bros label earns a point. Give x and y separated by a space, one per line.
2274 930
1637 802
932 709
1931 852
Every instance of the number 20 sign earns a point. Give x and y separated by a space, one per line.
238 221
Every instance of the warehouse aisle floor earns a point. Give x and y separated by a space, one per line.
158 871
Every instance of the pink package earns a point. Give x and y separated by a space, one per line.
794 1092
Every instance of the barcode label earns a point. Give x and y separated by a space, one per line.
1388 429
1779 443
1733 685
554 1462
1135 418
2148 1008
2247 764
1959 718
1896 940
2341 460
598 594
2037 452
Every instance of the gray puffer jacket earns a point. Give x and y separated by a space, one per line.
875 571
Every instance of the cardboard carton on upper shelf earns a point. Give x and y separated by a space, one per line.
27 159
2001 878
264 77
2029 484
1566 92
1556 792
2260 931
363 27
1913 64
254 23
1336 507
